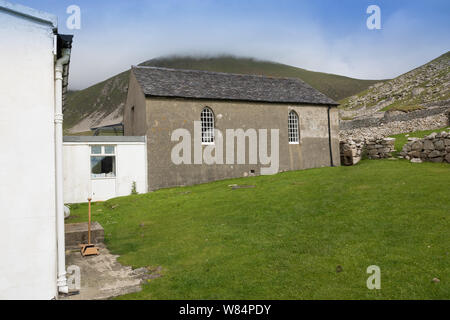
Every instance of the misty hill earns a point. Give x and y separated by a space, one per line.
416 89
103 103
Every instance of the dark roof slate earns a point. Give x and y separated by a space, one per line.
164 82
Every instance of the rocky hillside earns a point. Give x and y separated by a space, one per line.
417 89
100 104
103 103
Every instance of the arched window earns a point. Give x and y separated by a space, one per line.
207 120
293 130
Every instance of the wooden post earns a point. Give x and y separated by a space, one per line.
89 249
89 223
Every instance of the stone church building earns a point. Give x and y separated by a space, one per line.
302 124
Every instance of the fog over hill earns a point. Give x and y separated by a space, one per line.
103 103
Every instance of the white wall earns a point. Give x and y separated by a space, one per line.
27 159
76 168
131 165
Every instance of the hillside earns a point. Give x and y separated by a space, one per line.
103 103
417 89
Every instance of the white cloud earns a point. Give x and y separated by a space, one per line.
399 47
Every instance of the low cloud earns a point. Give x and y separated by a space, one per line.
401 45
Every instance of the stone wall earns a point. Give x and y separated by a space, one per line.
435 148
380 148
395 122
353 150
391 116
396 127
163 116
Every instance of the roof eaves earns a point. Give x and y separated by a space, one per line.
31 13
149 95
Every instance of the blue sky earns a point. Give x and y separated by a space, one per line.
320 35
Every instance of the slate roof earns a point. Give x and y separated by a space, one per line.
164 82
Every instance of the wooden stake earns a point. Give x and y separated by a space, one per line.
89 249
89 224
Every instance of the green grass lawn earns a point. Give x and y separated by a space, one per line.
401 139
284 238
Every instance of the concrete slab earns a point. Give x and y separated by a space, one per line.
103 277
77 233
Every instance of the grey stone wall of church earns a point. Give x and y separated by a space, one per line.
164 115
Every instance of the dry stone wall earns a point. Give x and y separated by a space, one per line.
434 147
391 127
352 151
375 120
380 148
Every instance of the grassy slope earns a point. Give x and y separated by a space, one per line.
410 102
107 95
285 238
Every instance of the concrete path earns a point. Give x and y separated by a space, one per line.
102 277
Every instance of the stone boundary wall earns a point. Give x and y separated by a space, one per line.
380 148
359 123
434 147
396 127
352 151
394 116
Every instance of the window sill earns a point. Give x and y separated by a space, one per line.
294 142
208 143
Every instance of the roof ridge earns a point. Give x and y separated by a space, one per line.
217 72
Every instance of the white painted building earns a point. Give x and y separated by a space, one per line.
34 61
103 167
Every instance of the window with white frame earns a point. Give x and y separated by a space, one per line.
103 161
207 121
293 128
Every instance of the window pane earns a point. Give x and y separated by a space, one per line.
103 167
96 149
207 121
293 127
109 149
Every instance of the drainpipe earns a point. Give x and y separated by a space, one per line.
329 138
59 67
